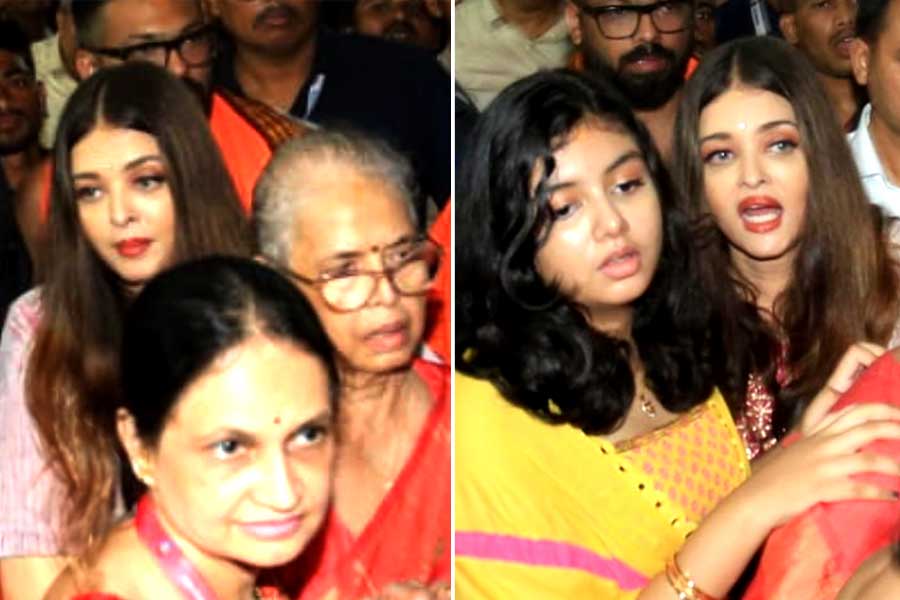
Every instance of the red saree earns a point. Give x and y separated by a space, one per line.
408 539
813 555
440 297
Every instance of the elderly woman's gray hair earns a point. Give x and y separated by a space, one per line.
283 189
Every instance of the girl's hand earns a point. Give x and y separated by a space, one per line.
849 368
819 467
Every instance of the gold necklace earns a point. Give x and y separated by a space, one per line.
646 404
645 400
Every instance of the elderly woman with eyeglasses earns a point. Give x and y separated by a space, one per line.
335 211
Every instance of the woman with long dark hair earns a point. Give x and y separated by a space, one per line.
798 267
138 185
796 263
593 456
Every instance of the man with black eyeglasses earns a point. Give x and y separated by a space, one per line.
174 34
644 47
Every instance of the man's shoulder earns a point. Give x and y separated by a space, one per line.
861 146
273 126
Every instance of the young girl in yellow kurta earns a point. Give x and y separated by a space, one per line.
593 457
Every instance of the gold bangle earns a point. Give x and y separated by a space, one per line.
683 584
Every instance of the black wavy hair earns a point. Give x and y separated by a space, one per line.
512 328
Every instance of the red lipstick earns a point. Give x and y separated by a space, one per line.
760 214
133 247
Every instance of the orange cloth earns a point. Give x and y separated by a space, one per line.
440 297
692 65
814 554
247 131
408 539
244 150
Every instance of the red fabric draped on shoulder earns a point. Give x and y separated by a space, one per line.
813 555
408 539
440 298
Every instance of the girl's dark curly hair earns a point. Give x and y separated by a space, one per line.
516 330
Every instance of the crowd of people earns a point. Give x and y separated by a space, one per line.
677 274
225 284
225 363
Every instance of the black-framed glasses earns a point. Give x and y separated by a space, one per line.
620 21
409 265
196 48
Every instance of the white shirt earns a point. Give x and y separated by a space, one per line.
879 188
490 53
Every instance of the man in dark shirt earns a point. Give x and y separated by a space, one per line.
280 56
21 115
644 48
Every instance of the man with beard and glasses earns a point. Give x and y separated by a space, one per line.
823 30
404 21
279 55
644 48
21 115
501 41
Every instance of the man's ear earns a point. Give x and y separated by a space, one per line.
860 55
86 63
788 24
573 23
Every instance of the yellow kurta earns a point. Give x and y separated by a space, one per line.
545 511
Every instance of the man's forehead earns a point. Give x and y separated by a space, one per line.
137 21
617 2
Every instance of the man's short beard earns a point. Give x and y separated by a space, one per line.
20 143
644 91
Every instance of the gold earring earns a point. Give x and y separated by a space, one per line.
139 467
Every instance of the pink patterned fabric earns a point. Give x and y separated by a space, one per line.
29 494
690 460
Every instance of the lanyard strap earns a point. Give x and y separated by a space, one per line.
760 19
168 555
